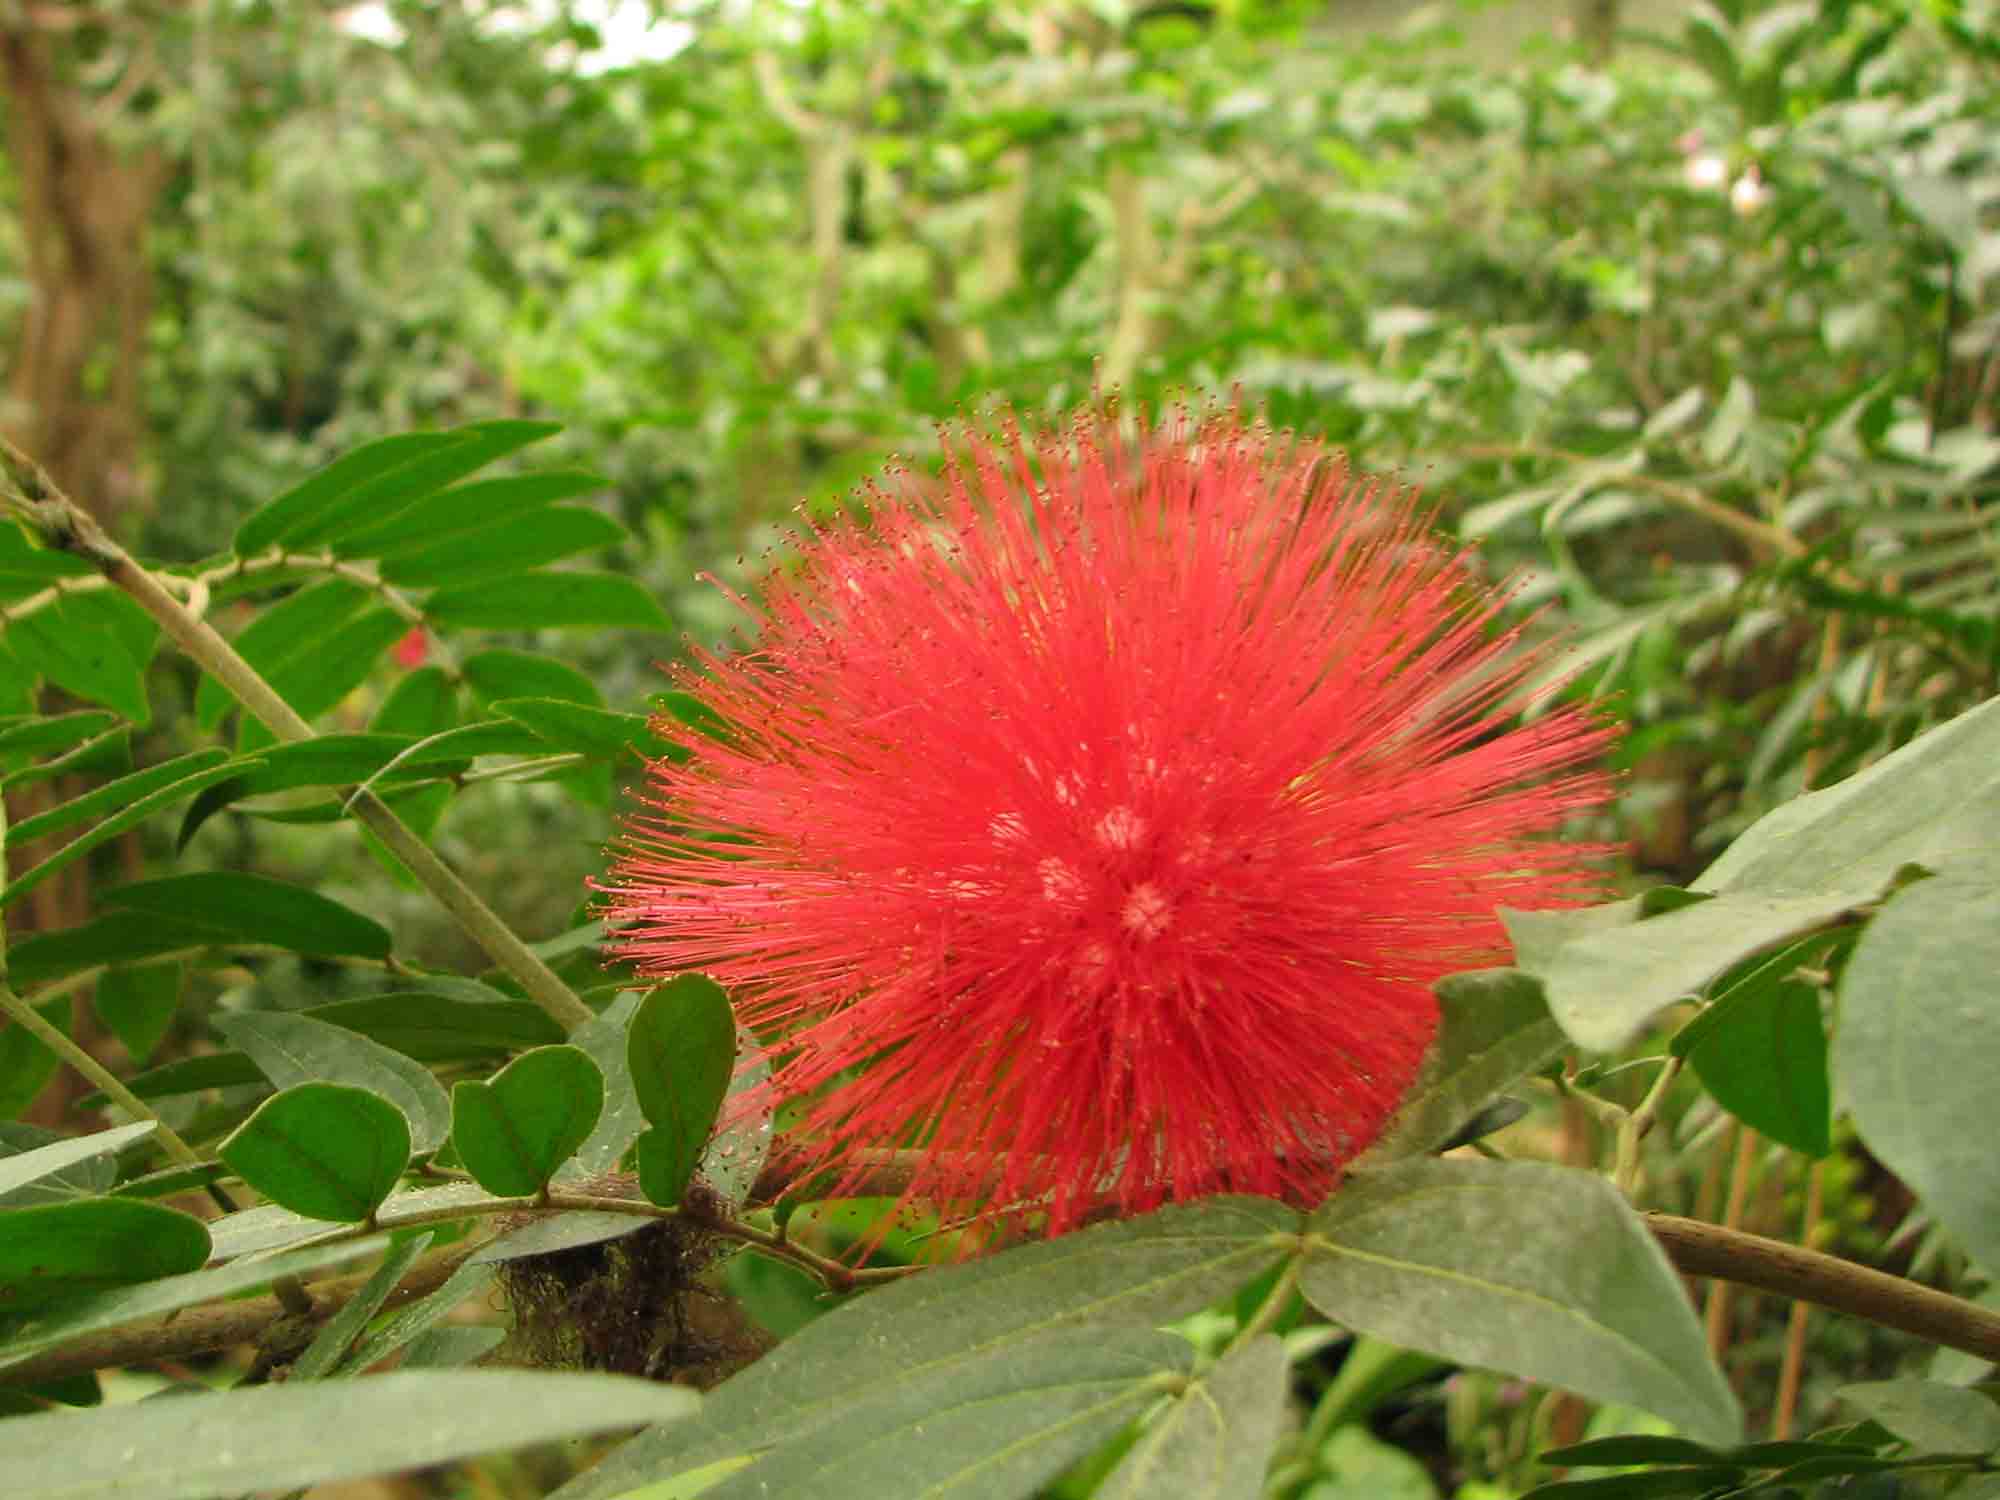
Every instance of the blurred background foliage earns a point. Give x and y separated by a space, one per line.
1688 315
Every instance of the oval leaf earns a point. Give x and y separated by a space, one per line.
681 1050
322 1150
1215 1441
1536 1271
1919 1048
56 1251
292 1049
1762 1053
515 1129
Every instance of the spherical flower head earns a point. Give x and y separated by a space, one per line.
1093 823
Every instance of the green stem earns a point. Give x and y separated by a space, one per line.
1636 1126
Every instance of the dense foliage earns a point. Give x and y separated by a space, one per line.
1693 332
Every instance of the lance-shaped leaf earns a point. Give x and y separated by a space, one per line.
257 909
55 1251
21 1168
681 1050
516 1128
337 1335
323 1150
1535 1271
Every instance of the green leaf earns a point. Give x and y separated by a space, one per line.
424 703
990 1426
504 673
314 681
448 1347
1215 1440
336 760
58 732
1135 1274
1932 803
129 816
303 505
110 754
59 1250
443 1028
422 1315
604 1040
24 1167
1604 987
123 792
118 937
285 632
90 1177
292 1049
543 601
565 1231
138 1003
1654 1484
394 493
1532 1270
595 732
286 1437
26 568
84 644
337 1335
504 550
26 1065
322 1150
27 1338
1934 1418
736 1155
467 508
1494 1029
256 909
681 1051
515 1129
1763 1057
1918 1049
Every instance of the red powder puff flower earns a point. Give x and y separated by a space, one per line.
1097 822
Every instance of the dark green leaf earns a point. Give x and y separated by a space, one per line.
504 550
322 1150
69 1321
1918 1050
1631 1449
187 1075
82 644
1933 1417
1215 1441
280 519
323 1355
23 1168
117 937
503 673
116 794
171 1180
289 1437
516 1128
394 493
26 1065
129 816
594 732
292 1049
138 1003
692 712
337 760
1649 1484
467 508
443 1028
26 568
543 601
110 754
61 1250
987 1426
1535 1271
681 1051
57 732
424 703
314 681
1495 1028
1763 1057
1130 1275
256 909
284 632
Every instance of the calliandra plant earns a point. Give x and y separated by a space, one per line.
1098 818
